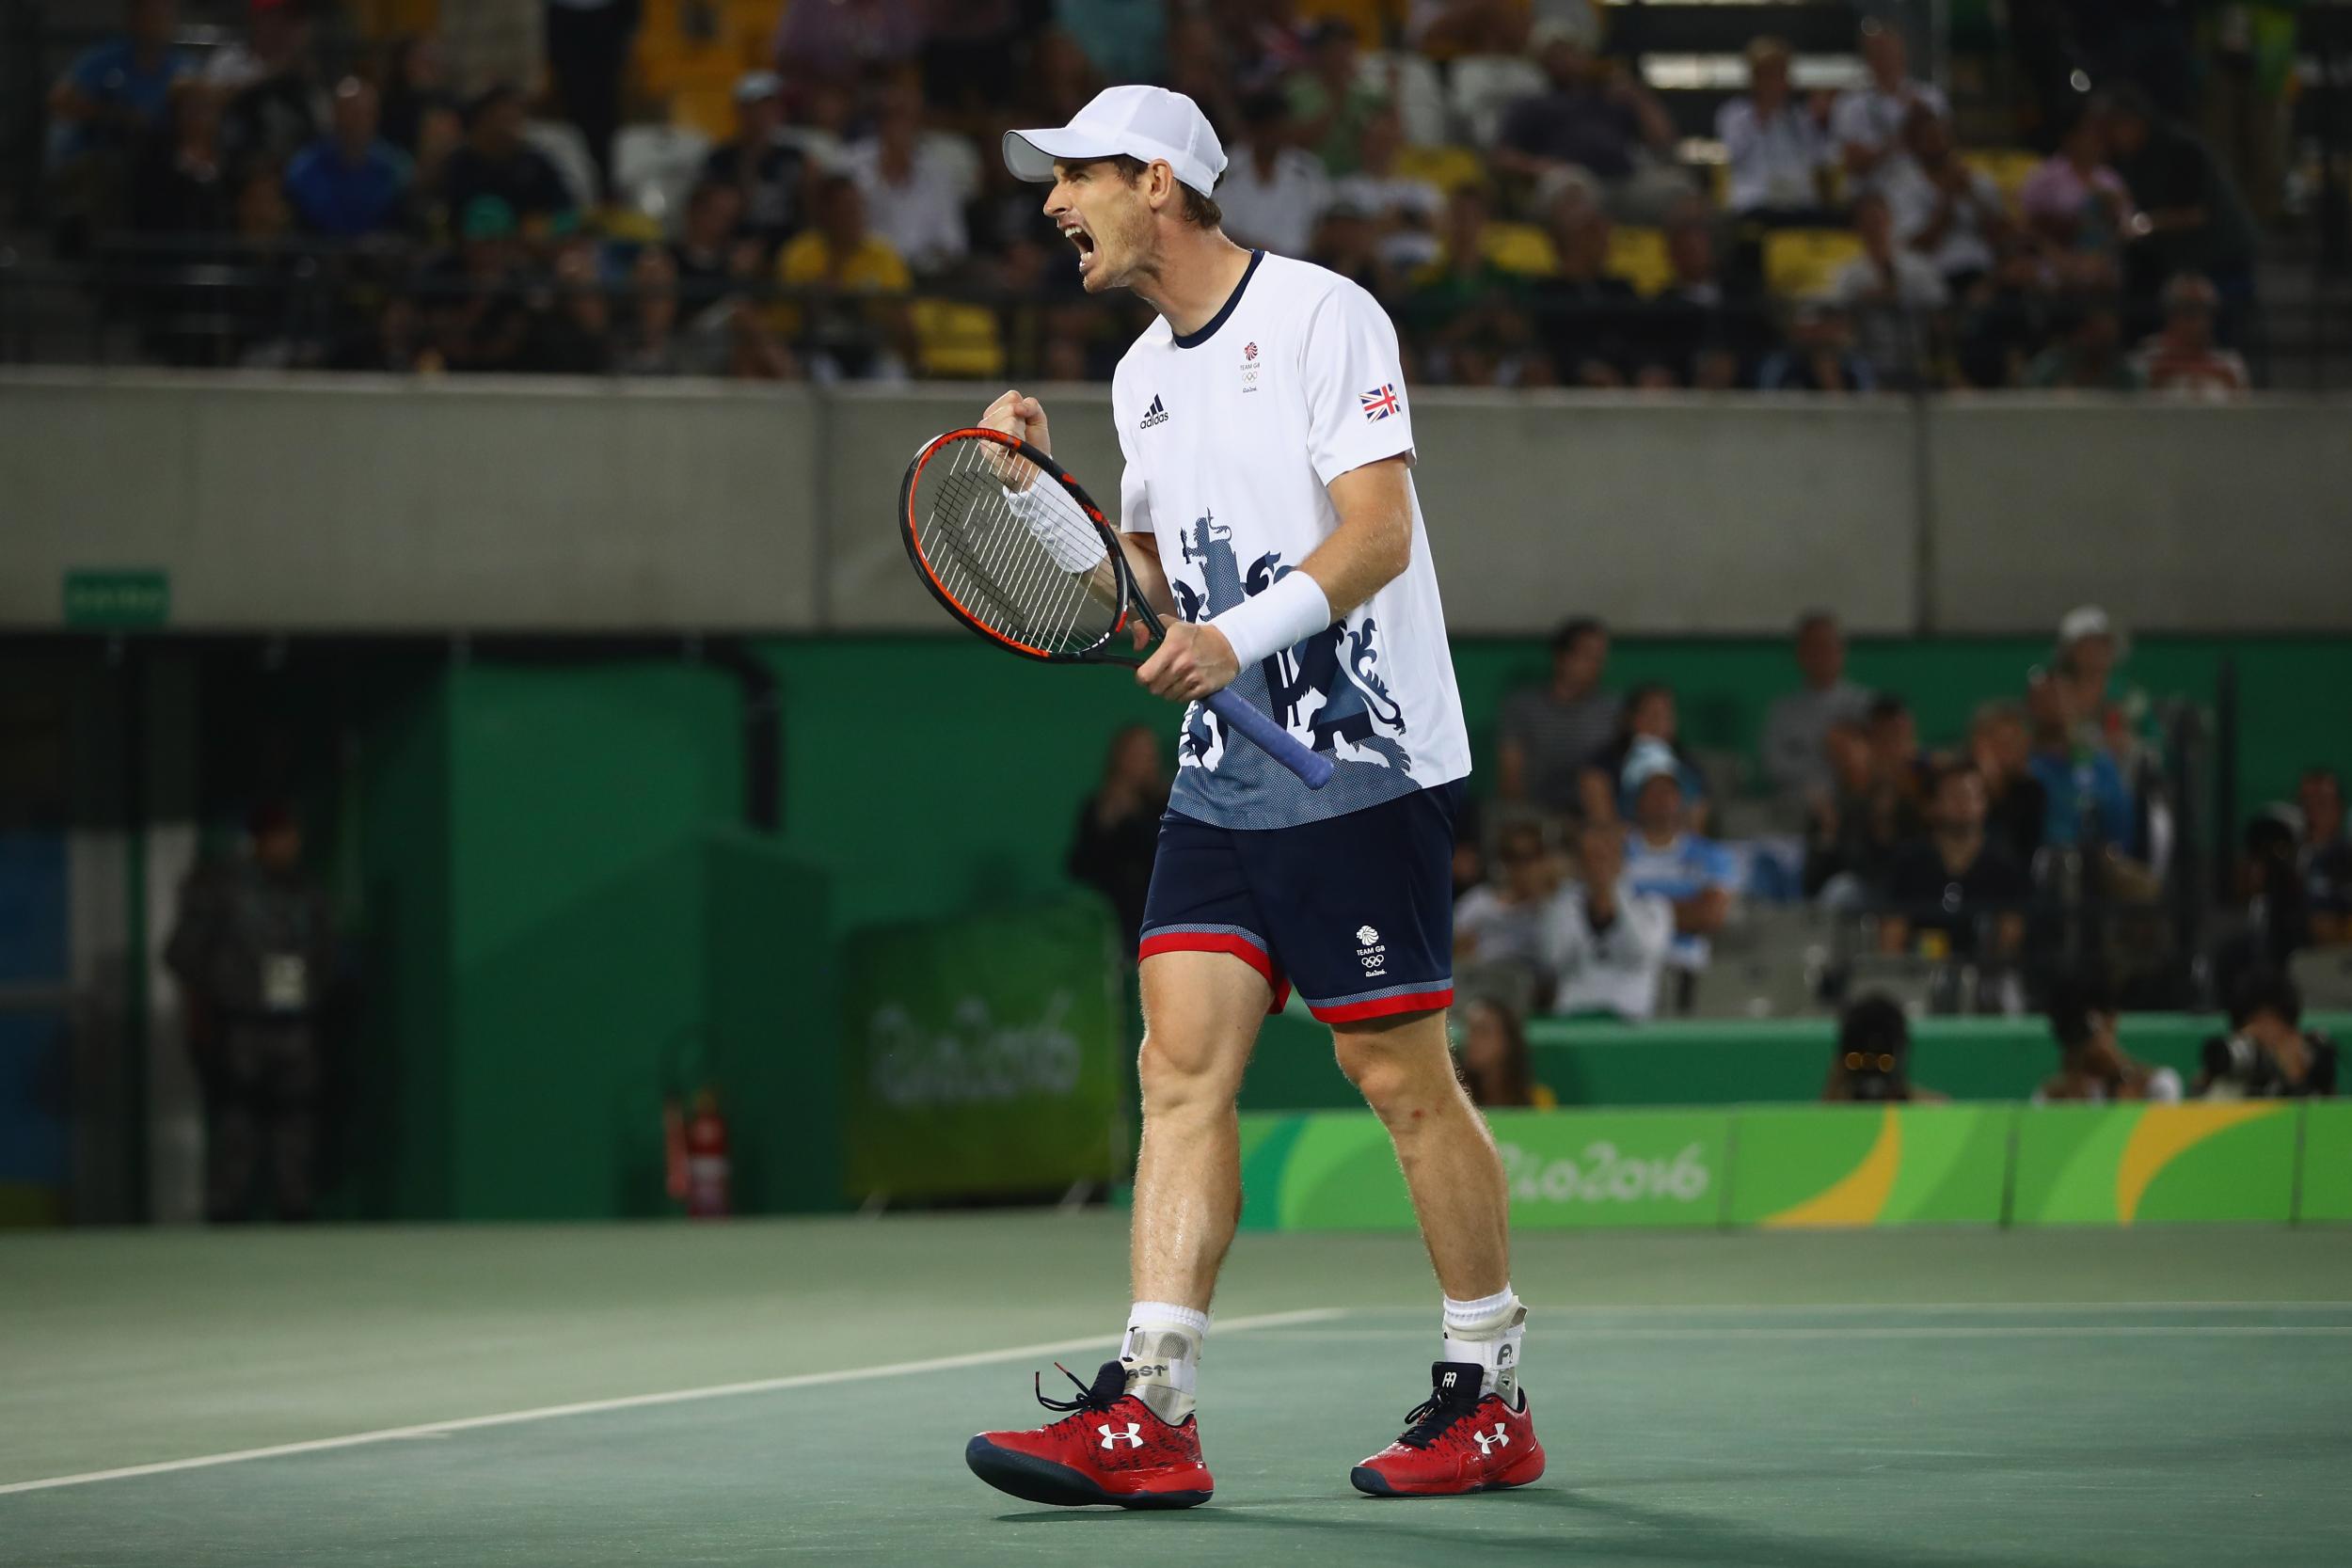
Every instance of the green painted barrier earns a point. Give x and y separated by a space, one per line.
2325 1190
1870 1165
982 1055
1336 1171
1835 1167
1740 1061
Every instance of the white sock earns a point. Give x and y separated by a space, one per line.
1488 1332
1163 1356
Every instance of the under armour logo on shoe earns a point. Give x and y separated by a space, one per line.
1488 1441
1132 1436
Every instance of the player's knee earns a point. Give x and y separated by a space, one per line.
1394 1082
1175 1075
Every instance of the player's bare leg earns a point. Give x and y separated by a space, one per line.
1201 1013
1402 1067
1474 1433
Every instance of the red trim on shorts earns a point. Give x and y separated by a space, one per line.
1221 942
1382 1007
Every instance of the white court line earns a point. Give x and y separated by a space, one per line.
1875 1308
673 1396
1916 1331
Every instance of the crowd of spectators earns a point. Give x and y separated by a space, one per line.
1509 188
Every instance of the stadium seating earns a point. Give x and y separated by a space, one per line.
958 340
1801 262
1639 257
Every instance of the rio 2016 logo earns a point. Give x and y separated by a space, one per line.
1603 1174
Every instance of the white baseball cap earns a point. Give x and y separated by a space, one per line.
2084 621
1149 123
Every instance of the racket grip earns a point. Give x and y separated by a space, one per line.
1312 767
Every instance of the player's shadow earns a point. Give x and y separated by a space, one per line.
1645 1535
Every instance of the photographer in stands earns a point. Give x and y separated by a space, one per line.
1872 1061
2267 1055
2092 1064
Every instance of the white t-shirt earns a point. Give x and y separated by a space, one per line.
1872 118
921 215
1230 434
1911 200
1497 930
1615 971
1772 161
1275 209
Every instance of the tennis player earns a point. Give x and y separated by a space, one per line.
1269 511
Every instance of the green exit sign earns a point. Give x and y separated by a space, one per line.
118 598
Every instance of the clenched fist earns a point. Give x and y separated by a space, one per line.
1021 417
1191 662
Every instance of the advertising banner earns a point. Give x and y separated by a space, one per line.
981 1054
2326 1190
1843 1165
2139 1165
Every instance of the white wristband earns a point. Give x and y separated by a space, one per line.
1286 614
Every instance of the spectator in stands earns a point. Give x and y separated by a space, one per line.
1648 720
1118 826
479 320
1597 120
768 167
1200 66
2267 1055
1404 209
2001 747
1502 921
2004 321
2324 855
2093 1066
1330 101
1584 313
2181 361
2087 652
571 329
1871 1062
974 48
1943 209
2087 354
1867 121
1666 859
2089 803
1273 189
588 50
1890 288
1453 299
656 342
1604 940
275 103
1796 727
1348 242
1548 735
913 199
1856 825
843 40
2192 218
353 182
1493 1061
1778 150
1127 39
116 92
713 257
861 331
496 162
2078 208
1820 356
179 181
1895 758
1694 314
416 85
1956 882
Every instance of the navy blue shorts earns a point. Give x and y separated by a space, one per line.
1356 910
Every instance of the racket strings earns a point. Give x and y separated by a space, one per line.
1013 550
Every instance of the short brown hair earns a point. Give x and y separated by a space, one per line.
1200 210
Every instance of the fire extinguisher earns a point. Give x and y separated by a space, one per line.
710 1173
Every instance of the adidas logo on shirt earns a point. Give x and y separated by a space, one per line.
1154 414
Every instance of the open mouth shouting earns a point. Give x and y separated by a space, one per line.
1076 234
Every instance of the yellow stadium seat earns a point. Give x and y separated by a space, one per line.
2010 166
1639 257
1802 261
1521 247
1449 168
704 107
958 340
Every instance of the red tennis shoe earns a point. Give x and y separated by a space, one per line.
1457 1441
1111 1449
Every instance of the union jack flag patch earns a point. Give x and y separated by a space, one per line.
1380 402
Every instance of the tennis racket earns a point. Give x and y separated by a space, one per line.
1006 540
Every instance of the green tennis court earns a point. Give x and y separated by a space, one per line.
2030 1397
